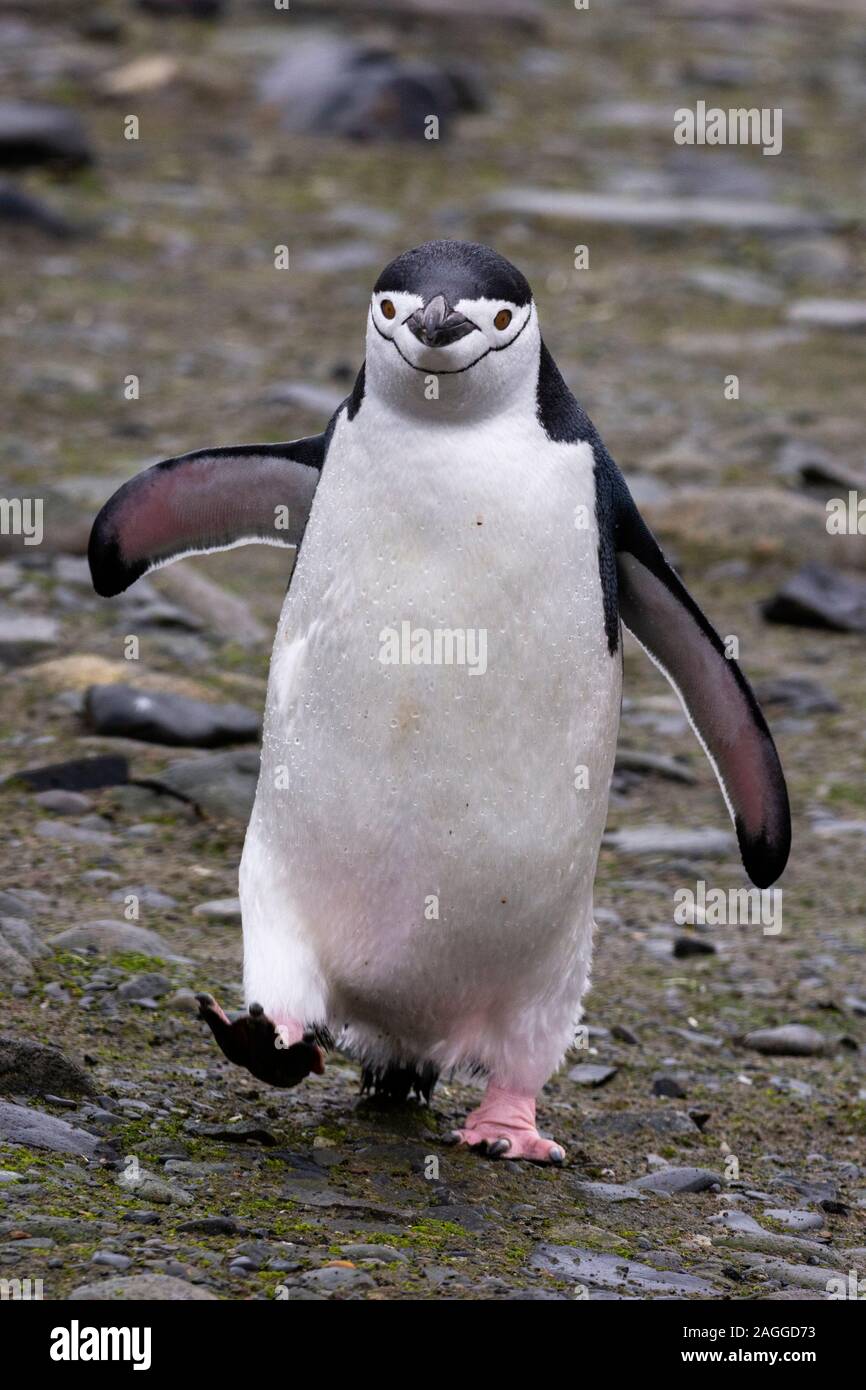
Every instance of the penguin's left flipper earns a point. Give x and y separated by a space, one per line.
213 499
254 1041
660 612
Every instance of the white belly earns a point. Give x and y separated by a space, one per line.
422 849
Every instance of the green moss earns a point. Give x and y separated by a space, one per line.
135 962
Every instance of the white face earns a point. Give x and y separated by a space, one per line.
493 324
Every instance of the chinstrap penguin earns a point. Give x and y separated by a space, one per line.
417 875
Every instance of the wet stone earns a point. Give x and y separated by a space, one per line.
211 1226
141 1288
820 597
845 314
615 1272
798 694
385 1254
608 1191
219 910
76 774
791 1040
591 1074
147 897
147 1187
221 784
21 1125
20 936
111 1259
149 985
671 1182
36 133
334 1279
64 803
668 1086
24 636
795 1220
687 946
329 86
107 935
631 1122
167 718
61 832
670 841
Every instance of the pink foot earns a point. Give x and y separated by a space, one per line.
503 1126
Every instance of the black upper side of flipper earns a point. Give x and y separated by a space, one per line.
565 421
639 586
113 571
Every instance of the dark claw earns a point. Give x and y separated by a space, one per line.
498 1148
252 1041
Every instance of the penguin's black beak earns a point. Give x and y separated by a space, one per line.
436 324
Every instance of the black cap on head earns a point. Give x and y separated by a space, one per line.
457 269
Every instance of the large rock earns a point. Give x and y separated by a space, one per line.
34 133
24 635
135 1288
672 841
615 1272
65 834
31 1068
77 774
106 936
625 1124
797 695
225 613
21 1125
670 1182
18 933
148 1187
15 904
219 910
790 1040
673 214
162 717
829 313
329 86
19 209
223 785
739 286
14 966
817 596
148 985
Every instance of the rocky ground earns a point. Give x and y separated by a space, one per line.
710 1156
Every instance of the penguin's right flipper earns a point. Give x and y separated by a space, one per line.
659 611
254 1042
213 499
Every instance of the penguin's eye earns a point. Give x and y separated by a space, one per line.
502 320
389 311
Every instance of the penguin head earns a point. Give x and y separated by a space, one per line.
457 312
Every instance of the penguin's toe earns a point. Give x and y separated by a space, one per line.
519 1144
498 1148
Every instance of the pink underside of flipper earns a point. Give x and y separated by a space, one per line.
506 1115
